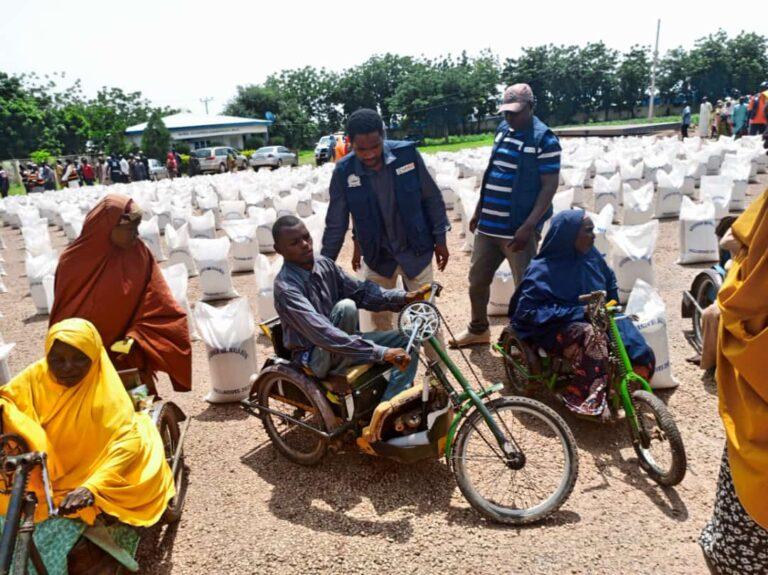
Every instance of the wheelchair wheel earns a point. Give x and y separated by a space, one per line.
659 446
280 393
513 347
705 295
505 491
168 426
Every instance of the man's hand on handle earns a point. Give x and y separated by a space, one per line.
419 294
398 357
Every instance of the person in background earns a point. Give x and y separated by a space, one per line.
125 170
89 176
705 117
515 200
49 177
113 167
740 118
758 112
59 171
332 148
340 148
686 121
140 170
98 170
70 177
144 160
177 157
398 214
5 182
170 164
194 164
735 540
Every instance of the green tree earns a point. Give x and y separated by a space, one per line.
156 139
633 75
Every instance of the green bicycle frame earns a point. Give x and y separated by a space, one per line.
626 371
466 400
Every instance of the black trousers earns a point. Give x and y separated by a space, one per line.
684 130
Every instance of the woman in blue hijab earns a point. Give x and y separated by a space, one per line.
545 311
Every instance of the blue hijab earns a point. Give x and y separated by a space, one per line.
548 297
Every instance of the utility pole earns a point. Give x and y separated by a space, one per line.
205 101
652 97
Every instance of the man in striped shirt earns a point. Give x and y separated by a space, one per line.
515 200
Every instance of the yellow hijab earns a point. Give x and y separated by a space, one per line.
91 433
741 369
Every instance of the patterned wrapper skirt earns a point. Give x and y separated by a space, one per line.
732 542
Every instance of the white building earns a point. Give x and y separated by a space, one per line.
201 130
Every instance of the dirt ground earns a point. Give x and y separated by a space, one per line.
249 510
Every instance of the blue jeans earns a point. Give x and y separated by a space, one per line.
344 316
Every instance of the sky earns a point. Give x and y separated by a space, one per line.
177 53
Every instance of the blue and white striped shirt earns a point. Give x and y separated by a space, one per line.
497 194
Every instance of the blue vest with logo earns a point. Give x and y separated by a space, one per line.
527 185
366 213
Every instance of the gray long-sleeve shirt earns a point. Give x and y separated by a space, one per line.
395 238
304 300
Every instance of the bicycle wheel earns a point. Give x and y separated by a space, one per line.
278 392
516 494
659 447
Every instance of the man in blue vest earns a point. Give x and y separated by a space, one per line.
515 200
398 213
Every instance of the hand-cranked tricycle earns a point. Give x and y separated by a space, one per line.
514 459
95 549
653 430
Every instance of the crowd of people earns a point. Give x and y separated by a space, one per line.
737 115
113 309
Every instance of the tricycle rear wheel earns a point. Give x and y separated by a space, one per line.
280 393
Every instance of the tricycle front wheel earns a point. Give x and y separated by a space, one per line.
521 492
658 444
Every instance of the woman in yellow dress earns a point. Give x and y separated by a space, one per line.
106 461
736 538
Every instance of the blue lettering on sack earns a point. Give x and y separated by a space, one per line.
239 351
231 391
629 259
213 269
699 224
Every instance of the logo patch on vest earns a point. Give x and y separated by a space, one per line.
405 169
353 181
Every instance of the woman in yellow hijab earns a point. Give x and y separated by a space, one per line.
104 457
736 538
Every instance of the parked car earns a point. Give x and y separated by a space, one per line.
157 170
323 150
274 157
215 159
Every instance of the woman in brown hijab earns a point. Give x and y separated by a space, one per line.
109 277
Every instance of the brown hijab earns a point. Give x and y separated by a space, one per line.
123 293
